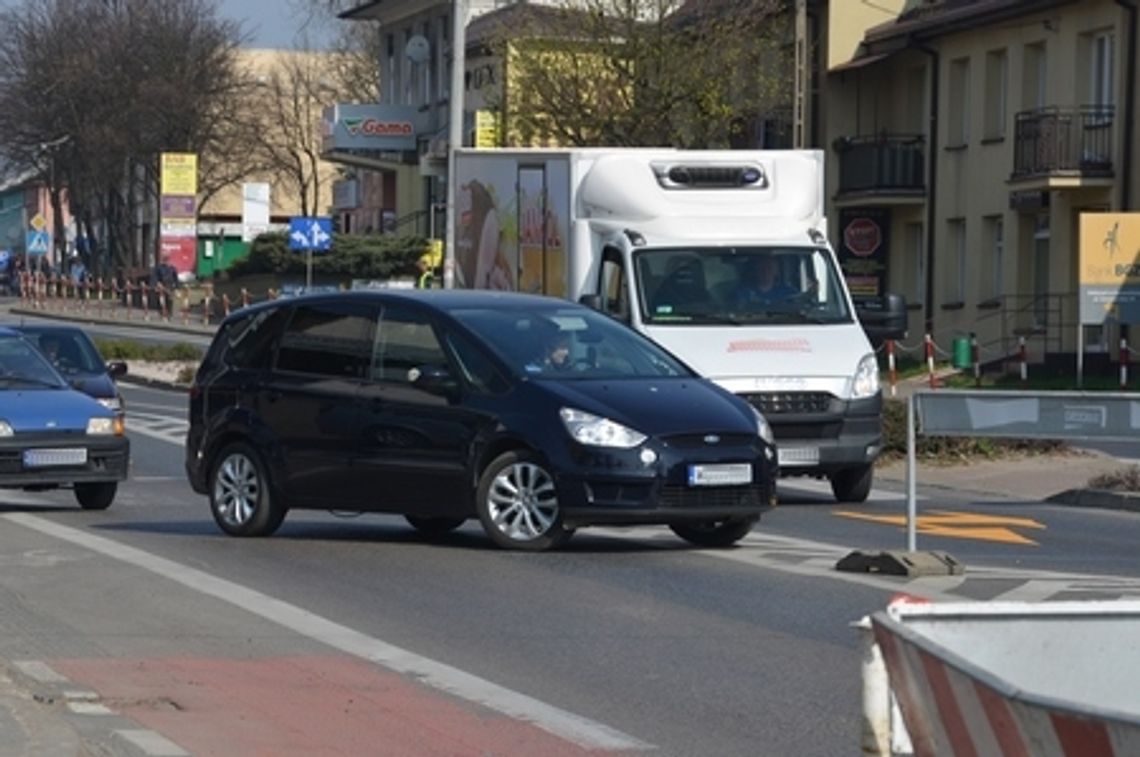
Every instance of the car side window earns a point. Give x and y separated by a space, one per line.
328 339
479 372
251 341
405 339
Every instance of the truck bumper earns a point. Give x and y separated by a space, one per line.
819 436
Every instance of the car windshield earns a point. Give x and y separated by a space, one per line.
69 350
21 365
740 285
569 343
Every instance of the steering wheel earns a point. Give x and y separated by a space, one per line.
583 364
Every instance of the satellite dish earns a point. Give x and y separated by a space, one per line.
418 49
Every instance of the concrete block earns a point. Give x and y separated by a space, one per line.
901 563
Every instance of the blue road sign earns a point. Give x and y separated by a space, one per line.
306 233
38 242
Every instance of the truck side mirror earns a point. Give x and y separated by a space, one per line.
592 301
883 317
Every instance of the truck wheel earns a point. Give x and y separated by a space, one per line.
239 493
96 496
518 504
434 526
715 533
852 484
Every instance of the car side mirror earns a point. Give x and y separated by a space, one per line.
883 317
592 301
435 379
117 368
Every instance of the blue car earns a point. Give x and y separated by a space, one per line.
52 435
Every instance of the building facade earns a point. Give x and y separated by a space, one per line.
974 134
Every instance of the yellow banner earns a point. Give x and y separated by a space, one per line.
1110 248
179 173
486 129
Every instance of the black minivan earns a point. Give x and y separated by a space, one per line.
533 414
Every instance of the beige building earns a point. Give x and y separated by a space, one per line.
974 134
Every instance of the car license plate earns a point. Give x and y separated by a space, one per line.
792 456
726 474
46 458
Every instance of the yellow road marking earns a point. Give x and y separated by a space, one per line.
958 525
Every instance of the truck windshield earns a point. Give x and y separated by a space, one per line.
740 285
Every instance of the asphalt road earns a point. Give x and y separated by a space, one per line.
354 635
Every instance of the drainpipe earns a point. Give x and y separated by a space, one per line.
1129 104
931 183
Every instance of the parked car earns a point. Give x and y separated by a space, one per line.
533 414
52 435
77 358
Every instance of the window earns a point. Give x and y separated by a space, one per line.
406 340
995 232
916 251
431 71
333 339
959 115
1033 79
444 67
392 85
996 91
1101 85
956 283
479 371
411 70
253 339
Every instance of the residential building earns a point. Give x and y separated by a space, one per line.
973 134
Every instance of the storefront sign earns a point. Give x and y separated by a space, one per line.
1109 268
864 249
370 127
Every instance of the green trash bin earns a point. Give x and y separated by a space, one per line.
963 355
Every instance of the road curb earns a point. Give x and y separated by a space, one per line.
102 321
1105 499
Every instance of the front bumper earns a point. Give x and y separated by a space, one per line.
819 434
609 486
107 459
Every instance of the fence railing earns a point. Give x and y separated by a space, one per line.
1064 140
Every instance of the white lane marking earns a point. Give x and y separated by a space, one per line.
151 743
156 479
160 427
586 733
823 488
155 406
89 708
39 671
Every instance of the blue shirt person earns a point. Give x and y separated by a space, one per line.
761 284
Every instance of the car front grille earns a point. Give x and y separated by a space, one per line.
699 441
712 497
779 403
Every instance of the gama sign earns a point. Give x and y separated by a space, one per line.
370 127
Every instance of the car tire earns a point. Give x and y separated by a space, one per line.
852 484
719 533
97 496
240 500
518 504
434 526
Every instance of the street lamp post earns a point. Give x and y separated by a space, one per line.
455 129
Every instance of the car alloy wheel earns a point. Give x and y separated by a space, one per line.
239 495
518 503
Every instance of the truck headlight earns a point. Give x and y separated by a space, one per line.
596 431
762 427
5 429
866 383
105 426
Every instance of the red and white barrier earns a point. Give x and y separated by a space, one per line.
1014 679
1123 363
892 371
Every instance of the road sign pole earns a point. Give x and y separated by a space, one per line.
308 269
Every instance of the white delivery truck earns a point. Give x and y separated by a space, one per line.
720 256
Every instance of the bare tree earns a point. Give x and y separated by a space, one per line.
641 72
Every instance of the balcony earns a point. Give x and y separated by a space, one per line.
1052 145
888 168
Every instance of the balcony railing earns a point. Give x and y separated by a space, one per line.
888 164
1076 140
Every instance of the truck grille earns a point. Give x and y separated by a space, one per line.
779 403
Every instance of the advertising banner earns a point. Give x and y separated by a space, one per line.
254 210
1109 268
178 226
864 248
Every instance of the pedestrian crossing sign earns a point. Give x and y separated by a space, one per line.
38 242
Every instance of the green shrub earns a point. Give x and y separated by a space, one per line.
365 256
125 349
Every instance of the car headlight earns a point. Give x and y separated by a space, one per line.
866 382
596 431
111 403
5 429
105 426
762 427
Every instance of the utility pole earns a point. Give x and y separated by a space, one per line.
455 129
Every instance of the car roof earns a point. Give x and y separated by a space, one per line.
437 299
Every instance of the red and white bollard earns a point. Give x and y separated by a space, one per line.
225 305
244 297
1023 357
930 361
892 372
